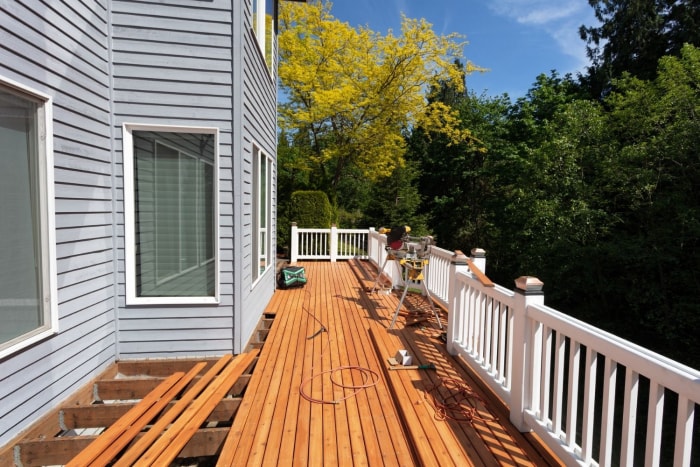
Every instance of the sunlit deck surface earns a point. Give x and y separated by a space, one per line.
393 422
329 341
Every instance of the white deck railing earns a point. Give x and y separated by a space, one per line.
592 397
331 244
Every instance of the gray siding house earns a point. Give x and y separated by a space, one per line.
137 187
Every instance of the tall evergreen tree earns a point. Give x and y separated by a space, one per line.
633 35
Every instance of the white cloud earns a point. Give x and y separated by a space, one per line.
540 12
549 14
560 19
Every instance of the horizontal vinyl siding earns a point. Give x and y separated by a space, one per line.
258 127
173 66
60 48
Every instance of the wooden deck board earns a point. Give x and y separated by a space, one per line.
391 423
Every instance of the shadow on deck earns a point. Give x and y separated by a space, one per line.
322 391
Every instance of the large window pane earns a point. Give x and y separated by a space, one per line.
174 231
25 303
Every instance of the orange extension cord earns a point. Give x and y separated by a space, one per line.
369 377
455 400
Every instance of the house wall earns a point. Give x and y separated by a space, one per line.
62 50
178 62
173 65
258 119
196 63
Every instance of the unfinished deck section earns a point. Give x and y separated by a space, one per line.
150 412
324 393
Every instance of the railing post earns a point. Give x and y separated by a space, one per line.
334 243
294 254
370 244
458 263
478 256
528 291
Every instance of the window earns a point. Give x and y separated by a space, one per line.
28 308
264 27
262 212
170 194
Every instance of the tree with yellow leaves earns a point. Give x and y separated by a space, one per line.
352 94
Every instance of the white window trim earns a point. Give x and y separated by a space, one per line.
257 152
130 221
260 24
47 227
260 32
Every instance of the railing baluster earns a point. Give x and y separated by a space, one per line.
502 342
546 372
479 330
588 422
654 420
606 428
488 307
572 402
494 337
684 432
557 393
478 325
629 417
470 320
508 370
536 339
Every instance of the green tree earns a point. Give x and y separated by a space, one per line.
452 180
654 187
397 201
354 92
633 35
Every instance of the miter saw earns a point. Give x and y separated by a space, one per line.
412 254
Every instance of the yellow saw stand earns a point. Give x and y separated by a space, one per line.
413 271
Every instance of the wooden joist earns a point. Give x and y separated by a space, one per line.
60 450
135 416
169 445
101 415
180 402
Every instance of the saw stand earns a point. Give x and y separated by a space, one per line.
413 271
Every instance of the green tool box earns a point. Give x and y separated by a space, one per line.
291 276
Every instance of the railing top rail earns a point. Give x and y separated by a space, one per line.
495 289
306 229
323 229
357 231
479 275
437 251
674 375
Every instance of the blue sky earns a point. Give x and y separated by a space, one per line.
515 39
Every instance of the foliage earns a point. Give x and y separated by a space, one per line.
396 201
311 209
290 177
634 34
597 196
598 199
353 93
655 182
